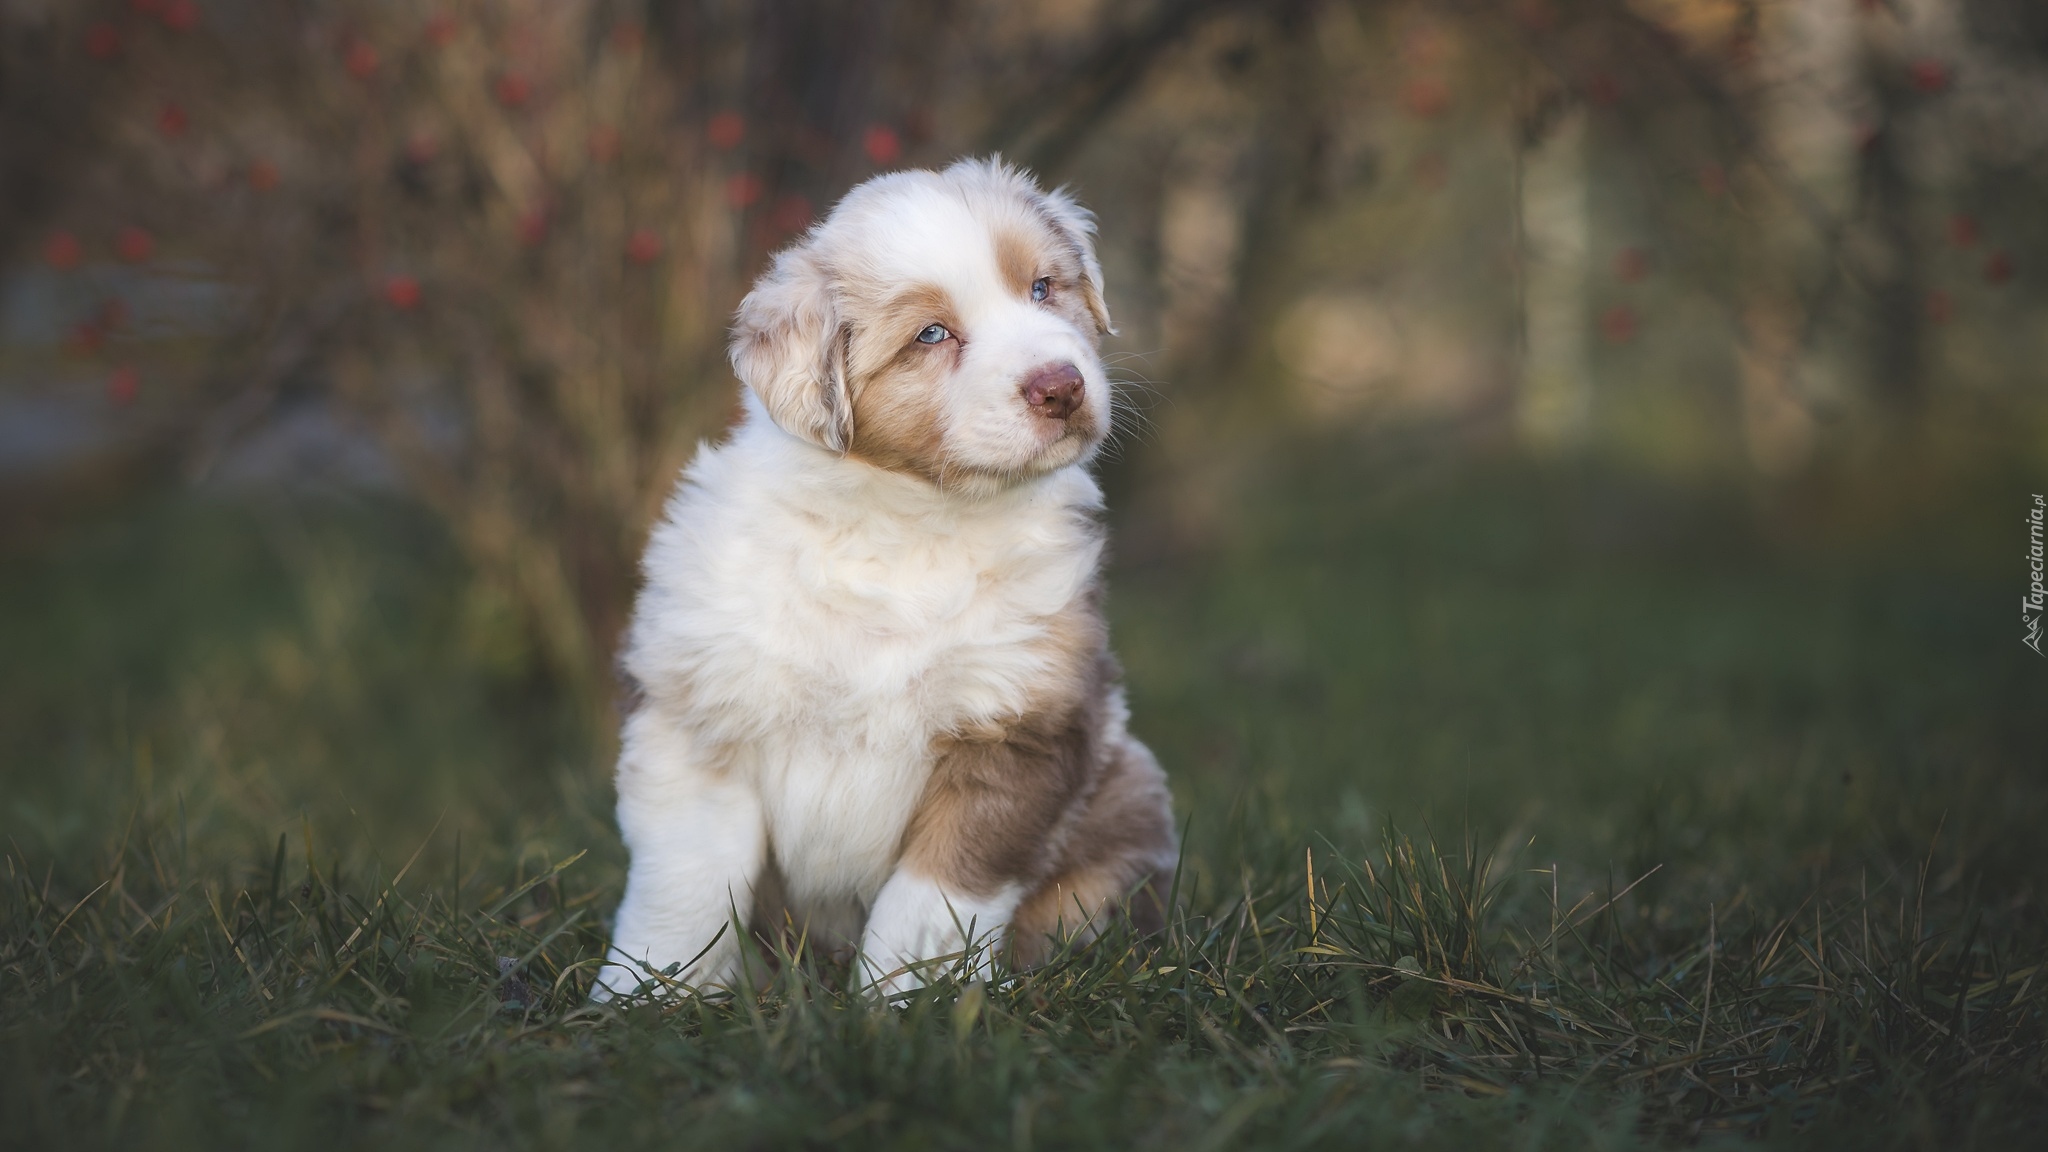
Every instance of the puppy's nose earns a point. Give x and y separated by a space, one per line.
1054 391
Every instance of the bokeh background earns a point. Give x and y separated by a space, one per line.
1601 427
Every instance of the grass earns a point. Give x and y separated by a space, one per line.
1734 843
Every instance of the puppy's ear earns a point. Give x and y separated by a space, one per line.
1078 224
789 346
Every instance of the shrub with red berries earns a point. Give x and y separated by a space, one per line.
532 213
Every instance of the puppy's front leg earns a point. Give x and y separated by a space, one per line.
973 848
697 839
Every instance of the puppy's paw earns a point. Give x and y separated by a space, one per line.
918 930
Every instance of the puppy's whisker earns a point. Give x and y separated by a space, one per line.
1134 406
1131 383
1134 423
1136 397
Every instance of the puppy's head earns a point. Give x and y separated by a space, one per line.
941 324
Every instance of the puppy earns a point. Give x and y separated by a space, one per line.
876 700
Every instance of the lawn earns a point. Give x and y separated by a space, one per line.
1533 807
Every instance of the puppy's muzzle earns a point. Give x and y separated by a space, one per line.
1054 391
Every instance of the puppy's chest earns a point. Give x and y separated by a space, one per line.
884 648
837 663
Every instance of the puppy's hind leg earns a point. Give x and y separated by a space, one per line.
698 842
1119 857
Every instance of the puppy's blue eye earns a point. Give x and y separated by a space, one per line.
933 334
1041 288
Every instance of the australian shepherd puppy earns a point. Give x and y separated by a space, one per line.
876 698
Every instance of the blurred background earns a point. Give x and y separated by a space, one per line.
1610 422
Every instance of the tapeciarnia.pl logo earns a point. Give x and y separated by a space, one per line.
2036 598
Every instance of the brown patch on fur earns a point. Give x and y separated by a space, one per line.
896 415
1021 259
1076 274
1120 850
896 321
896 421
1049 804
991 805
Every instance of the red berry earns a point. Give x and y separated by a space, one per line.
1941 307
1929 76
726 130
62 252
533 226
643 246
1426 97
180 15
742 189
171 120
604 143
361 59
102 40
122 386
1962 230
134 245
421 148
513 90
1618 324
403 293
441 30
1631 264
882 144
1998 268
263 175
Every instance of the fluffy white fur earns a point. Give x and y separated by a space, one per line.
810 623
